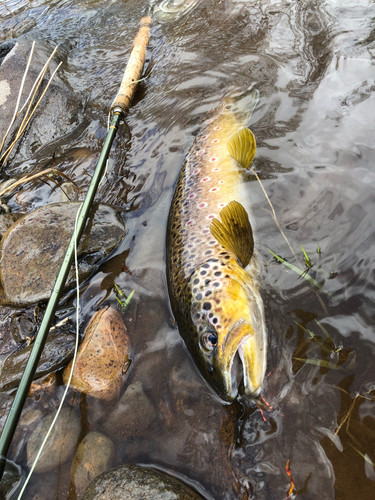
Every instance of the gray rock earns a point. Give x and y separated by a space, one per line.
132 415
12 481
57 352
60 444
132 482
94 456
33 249
59 112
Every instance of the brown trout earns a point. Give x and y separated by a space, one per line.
211 270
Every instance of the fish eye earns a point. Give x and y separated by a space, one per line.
209 340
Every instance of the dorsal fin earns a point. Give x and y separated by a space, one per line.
242 147
234 231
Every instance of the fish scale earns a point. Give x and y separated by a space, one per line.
208 181
216 302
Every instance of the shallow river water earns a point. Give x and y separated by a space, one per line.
313 63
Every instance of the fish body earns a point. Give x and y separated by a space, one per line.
213 289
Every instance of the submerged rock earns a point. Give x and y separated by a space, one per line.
12 481
33 249
132 415
132 482
103 357
57 352
60 444
94 456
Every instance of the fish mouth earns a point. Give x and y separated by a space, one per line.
243 358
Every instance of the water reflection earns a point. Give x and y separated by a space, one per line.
313 64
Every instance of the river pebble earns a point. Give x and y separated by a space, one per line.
33 249
60 444
132 482
103 357
132 415
94 456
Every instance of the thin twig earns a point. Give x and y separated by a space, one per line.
19 96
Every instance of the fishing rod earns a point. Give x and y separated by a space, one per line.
118 110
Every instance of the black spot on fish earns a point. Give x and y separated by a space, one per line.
206 266
207 306
214 321
207 293
196 281
199 296
203 273
218 273
216 284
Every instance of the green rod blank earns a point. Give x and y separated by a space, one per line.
23 389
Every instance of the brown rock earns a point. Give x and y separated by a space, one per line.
103 357
94 456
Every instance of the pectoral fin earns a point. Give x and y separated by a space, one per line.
234 231
242 147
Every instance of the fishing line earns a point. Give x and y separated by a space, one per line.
73 363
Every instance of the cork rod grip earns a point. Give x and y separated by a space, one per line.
134 67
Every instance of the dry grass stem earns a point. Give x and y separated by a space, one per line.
7 8
35 176
19 96
274 215
28 118
39 77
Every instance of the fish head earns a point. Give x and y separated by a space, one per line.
225 330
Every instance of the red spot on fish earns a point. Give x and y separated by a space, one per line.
215 169
221 205
217 128
215 141
211 216
205 179
196 171
221 182
213 190
190 223
203 137
201 152
192 196
213 158
208 121
202 205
